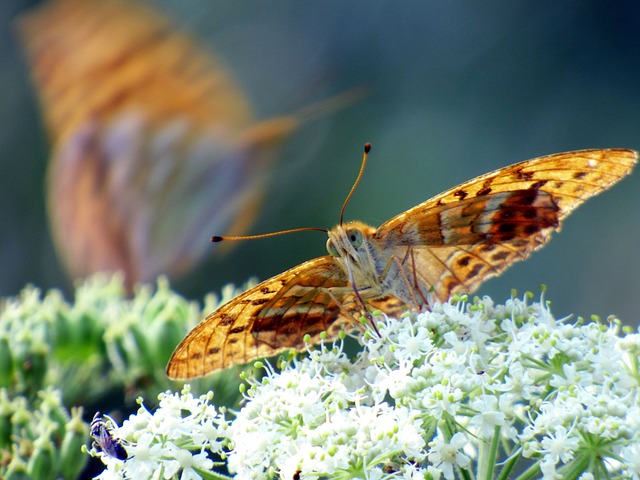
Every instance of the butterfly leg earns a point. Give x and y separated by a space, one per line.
349 313
367 314
411 288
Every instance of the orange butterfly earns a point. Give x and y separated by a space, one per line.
446 245
153 142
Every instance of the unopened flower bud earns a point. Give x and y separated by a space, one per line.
72 462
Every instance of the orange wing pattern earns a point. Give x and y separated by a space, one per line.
267 319
477 229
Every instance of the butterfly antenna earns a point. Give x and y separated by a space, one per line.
217 238
367 149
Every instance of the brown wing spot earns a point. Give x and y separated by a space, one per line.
195 356
499 256
449 284
506 228
523 175
477 268
518 242
504 237
464 261
238 329
266 290
211 351
226 319
259 301
266 324
313 326
538 185
488 247
288 329
232 340
484 191
531 229
462 194
579 175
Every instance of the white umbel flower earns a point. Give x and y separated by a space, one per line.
468 390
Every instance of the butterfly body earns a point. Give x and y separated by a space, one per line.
449 244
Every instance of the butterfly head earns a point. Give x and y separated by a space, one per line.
350 242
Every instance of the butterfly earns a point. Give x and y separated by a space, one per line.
104 439
447 245
149 131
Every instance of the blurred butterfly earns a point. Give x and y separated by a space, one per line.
154 145
449 244
104 439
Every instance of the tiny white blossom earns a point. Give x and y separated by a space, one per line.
144 456
187 463
631 457
447 455
169 442
559 446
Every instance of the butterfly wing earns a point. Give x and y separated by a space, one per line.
457 239
149 131
271 317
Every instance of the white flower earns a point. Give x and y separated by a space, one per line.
414 343
169 442
447 455
144 457
488 417
559 446
631 457
187 462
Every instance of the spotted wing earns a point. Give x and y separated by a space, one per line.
271 317
454 241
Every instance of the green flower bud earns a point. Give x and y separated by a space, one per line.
21 416
6 363
5 430
76 434
165 337
42 464
143 351
54 410
16 470
6 410
34 368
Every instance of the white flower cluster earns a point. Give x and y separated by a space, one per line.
464 391
173 442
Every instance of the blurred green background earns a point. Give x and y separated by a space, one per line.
456 89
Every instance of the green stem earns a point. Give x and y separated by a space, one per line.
530 473
508 467
488 455
574 469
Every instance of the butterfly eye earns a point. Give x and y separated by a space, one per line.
355 237
332 250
